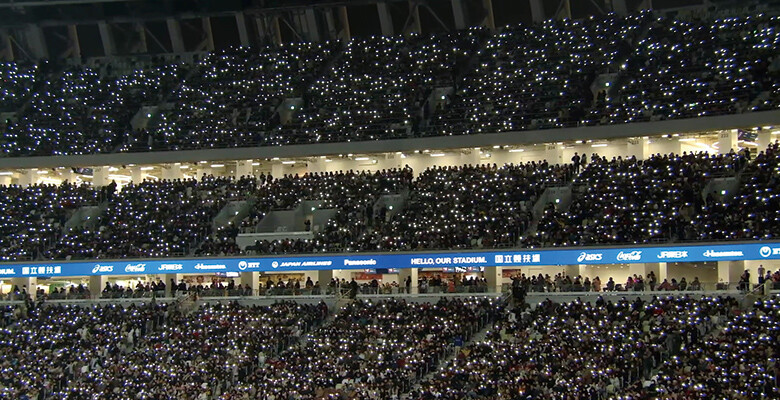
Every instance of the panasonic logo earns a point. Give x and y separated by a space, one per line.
672 255
360 262
102 268
733 253
135 268
631 256
589 257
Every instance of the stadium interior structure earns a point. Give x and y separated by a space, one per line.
439 199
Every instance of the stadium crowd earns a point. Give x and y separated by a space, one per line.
595 71
576 350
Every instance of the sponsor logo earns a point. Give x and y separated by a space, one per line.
202 266
275 264
766 251
171 267
631 256
370 261
732 253
327 263
102 268
7 271
589 257
672 255
135 268
242 265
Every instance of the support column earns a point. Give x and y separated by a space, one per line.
251 279
277 169
209 39
203 169
730 272
727 141
537 10
168 286
6 47
470 156
136 175
324 276
763 139
276 30
74 47
554 153
177 39
171 172
414 19
100 176
620 8
311 25
494 278
107 38
5 180
28 177
638 147
244 168
36 42
490 21
96 285
405 273
459 14
140 45
243 35
386 20
346 35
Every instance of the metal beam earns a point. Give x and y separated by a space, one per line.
412 24
74 47
385 19
436 17
346 34
243 35
490 21
537 10
107 38
177 39
6 47
208 39
459 13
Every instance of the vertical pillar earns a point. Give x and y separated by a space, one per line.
276 30
96 285
494 278
107 38
554 153
386 20
5 180
251 279
620 8
324 276
470 156
28 177
459 14
730 272
277 170
346 35
74 47
209 39
167 280
763 139
244 168
243 35
406 273
100 176
537 10
36 42
140 44
490 21
30 284
177 40
171 172
638 147
312 26
727 141
201 170
414 15
6 47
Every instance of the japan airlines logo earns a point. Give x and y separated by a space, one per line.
274 264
